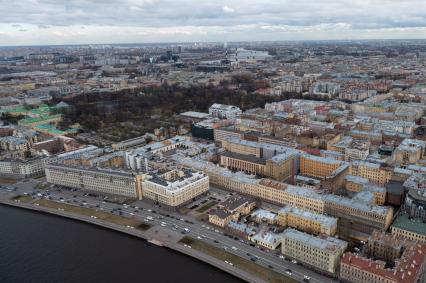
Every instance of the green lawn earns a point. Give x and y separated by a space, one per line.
116 219
207 206
239 262
23 198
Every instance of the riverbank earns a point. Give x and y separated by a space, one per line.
147 235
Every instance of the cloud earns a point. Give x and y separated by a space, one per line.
165 20
227 9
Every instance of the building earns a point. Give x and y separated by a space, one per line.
262 215
175 188
356 184
231 209
398 261
280 167
220 217
358 213
413 229
375 173
114 182
320 252
238 205
409 151
224 111
242 230
307 221
267 239
20 169
318 167
384 246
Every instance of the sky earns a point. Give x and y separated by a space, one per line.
44 22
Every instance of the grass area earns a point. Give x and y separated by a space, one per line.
184 210
23 198
7 181
91 212
239 262
202 217
207 206
41 186
143 226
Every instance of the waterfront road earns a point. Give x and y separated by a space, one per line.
173 222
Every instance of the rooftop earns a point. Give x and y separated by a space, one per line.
329 244
415 225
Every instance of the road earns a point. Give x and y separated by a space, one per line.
173 221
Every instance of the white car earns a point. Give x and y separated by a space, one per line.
234 248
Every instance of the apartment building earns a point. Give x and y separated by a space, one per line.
413 229
307 221
320 252
104 181
355 211
224 111
280 167
356 184
375 173
318 167
23 168
409 151
408 261
175 187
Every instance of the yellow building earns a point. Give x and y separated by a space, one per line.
318 167
307 221
413 229
321 252
280 167
220 217
375 173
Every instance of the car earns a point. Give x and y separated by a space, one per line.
282 257
199 238
186 230
270 266
216 241
234 248
253 259
306 280
293 261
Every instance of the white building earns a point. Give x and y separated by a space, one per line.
104 181
267 239
176 187
224 111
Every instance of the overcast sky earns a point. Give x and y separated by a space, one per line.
135 21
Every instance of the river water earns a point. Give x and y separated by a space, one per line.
36 247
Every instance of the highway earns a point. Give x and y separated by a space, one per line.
175 222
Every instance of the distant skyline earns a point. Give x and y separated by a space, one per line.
51 22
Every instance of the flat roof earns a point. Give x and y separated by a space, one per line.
415 225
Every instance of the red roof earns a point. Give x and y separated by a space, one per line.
405 270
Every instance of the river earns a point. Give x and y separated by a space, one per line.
36 247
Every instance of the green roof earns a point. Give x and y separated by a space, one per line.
39 119
52 130
415 225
